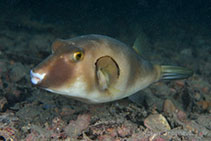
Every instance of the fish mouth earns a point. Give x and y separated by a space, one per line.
36 78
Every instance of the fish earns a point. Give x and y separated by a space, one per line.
98 69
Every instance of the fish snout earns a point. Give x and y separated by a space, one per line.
36 77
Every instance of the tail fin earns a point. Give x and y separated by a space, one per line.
174 72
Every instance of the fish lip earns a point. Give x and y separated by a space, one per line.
36 78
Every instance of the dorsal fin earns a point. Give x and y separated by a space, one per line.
57 44
137 46
141 44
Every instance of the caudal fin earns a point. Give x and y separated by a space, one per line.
174 72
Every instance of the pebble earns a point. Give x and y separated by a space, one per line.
74 128
182 116
169 107
157 123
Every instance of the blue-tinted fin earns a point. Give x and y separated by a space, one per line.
175 72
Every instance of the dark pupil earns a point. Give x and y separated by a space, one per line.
79 55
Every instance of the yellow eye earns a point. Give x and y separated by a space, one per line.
77 56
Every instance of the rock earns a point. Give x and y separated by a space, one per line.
169 107
157 123
181 115
74 128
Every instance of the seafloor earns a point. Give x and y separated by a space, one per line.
168 110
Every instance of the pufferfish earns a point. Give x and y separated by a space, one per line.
98 69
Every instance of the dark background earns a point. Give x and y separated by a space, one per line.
158 19
110 12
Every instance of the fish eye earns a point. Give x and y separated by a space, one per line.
77 56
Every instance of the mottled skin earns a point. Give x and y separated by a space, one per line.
128 72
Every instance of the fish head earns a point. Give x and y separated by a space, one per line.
61 69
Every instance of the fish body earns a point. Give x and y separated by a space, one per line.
98 69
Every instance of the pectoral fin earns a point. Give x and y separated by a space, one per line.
107 72
103 79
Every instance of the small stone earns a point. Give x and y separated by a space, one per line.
74 128
157 123
169 107
181 115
